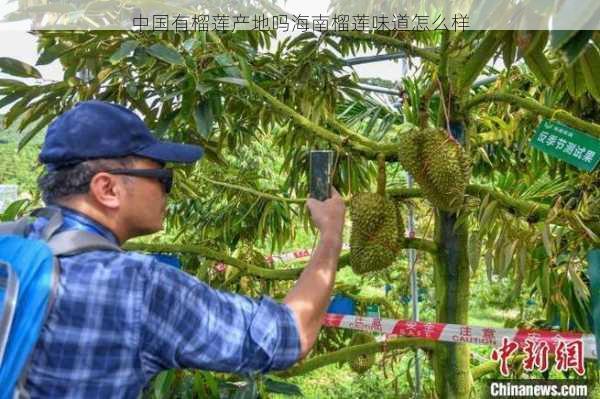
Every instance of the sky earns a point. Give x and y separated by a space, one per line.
16 42
21 45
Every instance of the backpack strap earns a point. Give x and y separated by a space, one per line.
20 226
73 242
70 242
17 228
55 221
10 285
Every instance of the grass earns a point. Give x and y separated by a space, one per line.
489 317
335 381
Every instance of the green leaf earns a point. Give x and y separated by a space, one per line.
559 38
590 65
203 116
17 68
127 48
14 210
211 382
246 71
282 387
479 58
228 65
11 83
575 80
300 38
166 53
10 99
162 383
248 391
509 49
31 134
235 81
51 53
547 240
190 44
540 66
573 49
489 270
18 109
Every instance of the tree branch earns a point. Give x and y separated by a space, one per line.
249 269
492 366
353 136
347 354
537 212
420 244
536 107
255 192
533 211
388 41
369 149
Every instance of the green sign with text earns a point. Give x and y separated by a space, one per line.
565 143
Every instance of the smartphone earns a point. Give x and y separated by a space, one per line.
320 165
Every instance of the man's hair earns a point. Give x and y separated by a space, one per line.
60 183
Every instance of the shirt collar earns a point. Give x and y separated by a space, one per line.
75 220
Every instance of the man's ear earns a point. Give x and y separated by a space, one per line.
107 190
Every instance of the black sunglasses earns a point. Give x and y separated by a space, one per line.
164 176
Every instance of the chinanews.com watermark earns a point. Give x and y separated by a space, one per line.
541 353
571 389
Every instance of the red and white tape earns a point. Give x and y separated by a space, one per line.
458 333
442 332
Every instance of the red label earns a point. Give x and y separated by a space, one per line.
333 320
418 329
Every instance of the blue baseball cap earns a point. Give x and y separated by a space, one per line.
98 129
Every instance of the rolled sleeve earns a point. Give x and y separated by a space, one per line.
188 324
275 331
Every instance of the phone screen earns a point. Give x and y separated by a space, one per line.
321 163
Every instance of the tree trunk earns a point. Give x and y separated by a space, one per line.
451 361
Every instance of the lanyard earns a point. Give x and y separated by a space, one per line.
75 221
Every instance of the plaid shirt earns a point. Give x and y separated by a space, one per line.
120 318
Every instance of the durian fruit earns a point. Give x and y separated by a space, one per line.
362 363
438 164
247 284
376 230
592 211
250 255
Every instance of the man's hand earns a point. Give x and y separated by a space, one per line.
328 215
310 296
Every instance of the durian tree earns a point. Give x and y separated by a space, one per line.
258 103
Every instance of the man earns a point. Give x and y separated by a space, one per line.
119 318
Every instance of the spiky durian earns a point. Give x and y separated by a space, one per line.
362 363
376 229
438 164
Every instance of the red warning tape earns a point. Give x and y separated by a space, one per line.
442 332
458 333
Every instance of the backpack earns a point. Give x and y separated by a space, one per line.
29 271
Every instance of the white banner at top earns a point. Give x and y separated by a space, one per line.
297 16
